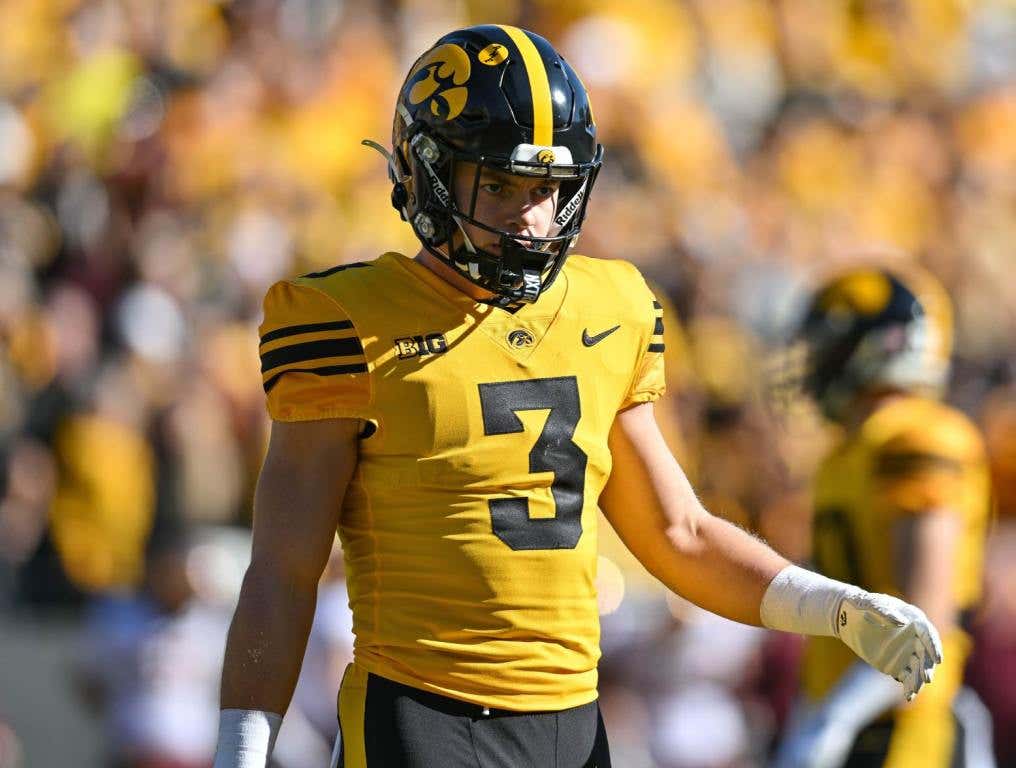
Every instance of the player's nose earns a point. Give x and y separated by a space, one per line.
522 216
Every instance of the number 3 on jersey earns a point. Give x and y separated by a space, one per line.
554 451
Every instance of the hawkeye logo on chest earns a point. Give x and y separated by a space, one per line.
420 346
521 338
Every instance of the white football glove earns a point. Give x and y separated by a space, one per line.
892 636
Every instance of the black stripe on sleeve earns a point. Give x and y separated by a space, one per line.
295 330
657 305
656 347
339 268
658 328
326 370
310 350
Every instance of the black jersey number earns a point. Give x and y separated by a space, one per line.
554 452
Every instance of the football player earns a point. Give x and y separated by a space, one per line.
459 416
901 505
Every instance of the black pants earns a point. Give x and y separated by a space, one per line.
404 727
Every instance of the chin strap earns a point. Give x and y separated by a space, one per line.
466 243
517 271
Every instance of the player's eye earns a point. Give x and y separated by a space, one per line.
545 191
492 187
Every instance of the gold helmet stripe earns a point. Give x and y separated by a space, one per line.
539 86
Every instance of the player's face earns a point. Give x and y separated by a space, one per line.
521 205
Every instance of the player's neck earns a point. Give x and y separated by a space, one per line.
449 275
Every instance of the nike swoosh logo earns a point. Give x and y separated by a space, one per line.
589 341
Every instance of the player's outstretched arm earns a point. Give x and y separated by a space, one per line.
725 570
652 506
296 511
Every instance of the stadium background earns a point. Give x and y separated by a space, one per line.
163 162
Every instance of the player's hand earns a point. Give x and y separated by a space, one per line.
892 636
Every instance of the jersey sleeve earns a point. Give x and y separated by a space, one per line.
927 467
312 360
649 382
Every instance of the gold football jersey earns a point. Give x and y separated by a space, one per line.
469 527
910 456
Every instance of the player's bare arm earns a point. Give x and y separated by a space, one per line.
296 510
652 506
723 569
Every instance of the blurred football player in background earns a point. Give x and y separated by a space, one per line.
901 506
459 417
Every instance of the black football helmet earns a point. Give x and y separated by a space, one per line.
870 328
500 97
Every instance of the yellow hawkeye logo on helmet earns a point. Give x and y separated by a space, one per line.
493 54
545 156
440 76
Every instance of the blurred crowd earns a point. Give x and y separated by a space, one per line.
162 162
